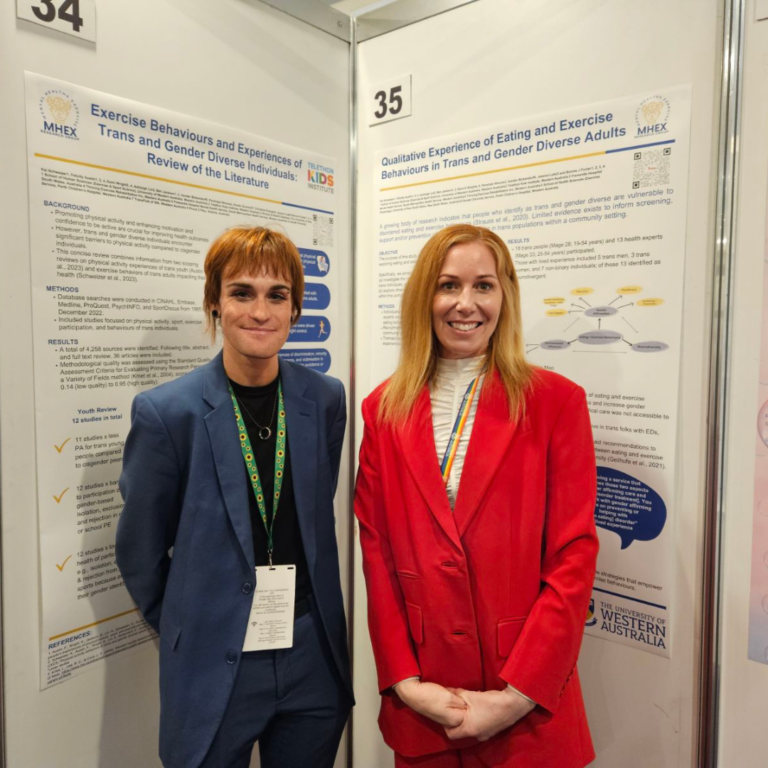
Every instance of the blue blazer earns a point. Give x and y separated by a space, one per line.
185 490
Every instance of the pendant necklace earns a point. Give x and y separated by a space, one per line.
264 432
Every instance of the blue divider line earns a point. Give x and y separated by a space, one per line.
638 146
633 599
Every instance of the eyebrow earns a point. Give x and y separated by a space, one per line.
278 287
479 277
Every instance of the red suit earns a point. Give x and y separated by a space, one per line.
495 591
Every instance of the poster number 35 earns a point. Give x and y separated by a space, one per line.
72 17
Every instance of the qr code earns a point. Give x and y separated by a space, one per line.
322 229
651 168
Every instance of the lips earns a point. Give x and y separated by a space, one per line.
464 326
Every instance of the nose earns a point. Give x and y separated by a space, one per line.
259 309
465 301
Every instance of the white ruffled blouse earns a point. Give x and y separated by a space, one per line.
447 392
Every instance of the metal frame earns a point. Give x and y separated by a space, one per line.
402 13
722 310
318 15
352 441
386 16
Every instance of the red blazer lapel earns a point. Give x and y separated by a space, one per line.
492 434
417 438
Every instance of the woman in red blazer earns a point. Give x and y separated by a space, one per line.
475 496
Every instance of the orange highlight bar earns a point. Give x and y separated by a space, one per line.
158 178
88 626
497 170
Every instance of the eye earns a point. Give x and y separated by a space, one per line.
448 285
276 296
241 294
485 286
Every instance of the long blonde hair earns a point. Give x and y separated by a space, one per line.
418 352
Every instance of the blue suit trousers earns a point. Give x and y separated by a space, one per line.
292 702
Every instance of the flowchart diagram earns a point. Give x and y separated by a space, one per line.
597 313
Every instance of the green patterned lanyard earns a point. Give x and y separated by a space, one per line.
253 472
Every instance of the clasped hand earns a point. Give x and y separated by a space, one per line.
465 714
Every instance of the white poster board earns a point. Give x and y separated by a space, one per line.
124 199
592 203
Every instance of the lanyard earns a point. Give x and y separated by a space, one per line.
253 472
458 429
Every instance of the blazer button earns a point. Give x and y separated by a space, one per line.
247 588
231 658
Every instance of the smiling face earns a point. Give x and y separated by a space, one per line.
255 314
467 301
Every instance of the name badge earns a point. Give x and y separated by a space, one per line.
270 624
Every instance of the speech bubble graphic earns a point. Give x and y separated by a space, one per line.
628 507
317 359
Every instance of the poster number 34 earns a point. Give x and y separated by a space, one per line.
72 17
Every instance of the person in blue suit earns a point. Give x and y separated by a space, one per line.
227 541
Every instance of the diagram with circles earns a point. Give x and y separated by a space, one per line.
609 322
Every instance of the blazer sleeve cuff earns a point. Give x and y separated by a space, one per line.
388 679
543 692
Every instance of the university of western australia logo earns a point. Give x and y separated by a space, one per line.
591 618
320 177
652 116
60 114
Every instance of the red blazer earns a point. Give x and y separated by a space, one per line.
496 591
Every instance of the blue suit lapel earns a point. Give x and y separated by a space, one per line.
227 455
301 421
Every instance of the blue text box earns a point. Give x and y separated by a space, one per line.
317 359
315 263
316 296
311 328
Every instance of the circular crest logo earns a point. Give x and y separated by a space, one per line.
60 114
591 618
652 116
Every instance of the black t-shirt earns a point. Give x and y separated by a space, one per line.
257 405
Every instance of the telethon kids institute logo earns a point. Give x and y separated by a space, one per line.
591 618
60 115
652 116
320 177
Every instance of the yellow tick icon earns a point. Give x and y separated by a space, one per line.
58 498
60 448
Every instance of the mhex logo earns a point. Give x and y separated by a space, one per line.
652 116
60 115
